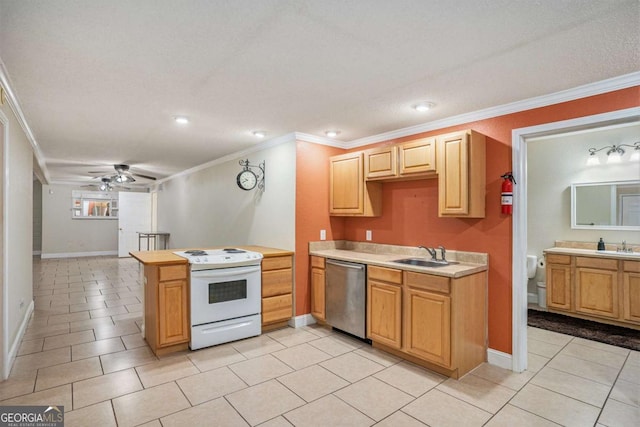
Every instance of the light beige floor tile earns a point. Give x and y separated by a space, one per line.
48 331
301 356
619 414
127 316
31 362
602 346
631 373
584 368
97 415
440 409
96 348
634 357
478 392
166 370
18 384
352 367
257 346
542 348
66 318
378 356
328 411
550 337
536 362
57 396
147 405
400 419
313 382
215 357
277 422
83 325
374 398
254 407
555 407
290 337
115 302
218 411
594 355
133 341
69 301
626 392
410 378
105 387
504 377
573 386
66 373
260 369
511 416
116 330
106 298
87 306
319 330
331 346
104 312
154 423
210 385
31 346
68 339
127 359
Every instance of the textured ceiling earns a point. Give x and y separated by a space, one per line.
99 81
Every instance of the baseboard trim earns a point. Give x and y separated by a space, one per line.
36 253
303 320
499 359
10 357
78 254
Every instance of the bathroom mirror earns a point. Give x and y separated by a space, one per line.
606 205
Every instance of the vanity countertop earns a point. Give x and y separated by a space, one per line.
593 253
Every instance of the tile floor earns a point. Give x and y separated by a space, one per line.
83 350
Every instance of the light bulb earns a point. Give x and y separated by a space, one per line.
593 160
181 120
423 106
614 157
332 133
635 156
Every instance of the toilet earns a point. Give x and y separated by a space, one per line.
532 266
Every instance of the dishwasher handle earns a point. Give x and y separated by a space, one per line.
346 264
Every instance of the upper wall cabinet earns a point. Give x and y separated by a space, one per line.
461 174
381 163
410 160
349 195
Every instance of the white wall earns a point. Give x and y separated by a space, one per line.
206 208
553 165
37 217
63 236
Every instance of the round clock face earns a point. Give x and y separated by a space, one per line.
247 180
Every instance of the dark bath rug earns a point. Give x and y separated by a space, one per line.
608 334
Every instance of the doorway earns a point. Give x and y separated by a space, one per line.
520 140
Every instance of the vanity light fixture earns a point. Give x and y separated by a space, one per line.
181 120
332 133
259 133
614 153
423 106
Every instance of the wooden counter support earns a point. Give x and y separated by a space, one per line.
277 291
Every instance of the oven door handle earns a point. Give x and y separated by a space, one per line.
224 272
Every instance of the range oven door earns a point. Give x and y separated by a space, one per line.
225 293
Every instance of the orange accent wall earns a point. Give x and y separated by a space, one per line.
410 209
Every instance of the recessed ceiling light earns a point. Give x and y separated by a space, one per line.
332 133
181 119
259 133
424 106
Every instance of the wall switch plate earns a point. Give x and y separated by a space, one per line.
368 235
323 234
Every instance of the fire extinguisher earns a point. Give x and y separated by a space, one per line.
507 193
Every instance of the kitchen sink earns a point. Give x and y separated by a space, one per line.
421 262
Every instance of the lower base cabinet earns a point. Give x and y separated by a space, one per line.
318 288
428 326
277 291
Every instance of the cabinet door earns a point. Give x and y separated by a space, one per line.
427 326
381 163
173 318
317 293
418 157
346 190
384 318
559 286
631 293
597 292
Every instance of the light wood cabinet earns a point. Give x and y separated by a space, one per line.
461 165
418 158
428 326
384 306
277 291
349 194
381 163
631 291
166 299
596 287
559 282
318 287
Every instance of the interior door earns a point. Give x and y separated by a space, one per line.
134 215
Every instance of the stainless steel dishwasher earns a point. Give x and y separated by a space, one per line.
346 296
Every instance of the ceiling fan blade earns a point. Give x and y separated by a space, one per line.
153 178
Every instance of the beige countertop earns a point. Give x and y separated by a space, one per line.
385 260
168 257
593 253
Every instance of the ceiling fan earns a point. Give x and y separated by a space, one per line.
123 175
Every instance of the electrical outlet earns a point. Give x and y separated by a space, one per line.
323 234
368 235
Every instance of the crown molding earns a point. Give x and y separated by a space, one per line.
320 140
12 100
591 89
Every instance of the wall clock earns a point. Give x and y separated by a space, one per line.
247 179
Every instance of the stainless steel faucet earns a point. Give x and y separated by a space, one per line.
431 251
443 252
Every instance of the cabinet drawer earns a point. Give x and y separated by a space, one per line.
172 272
606 264
427 281
633 266
276 263
277 282
318 261
384 274
558 259
276 309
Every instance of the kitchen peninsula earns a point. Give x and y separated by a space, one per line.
167 294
